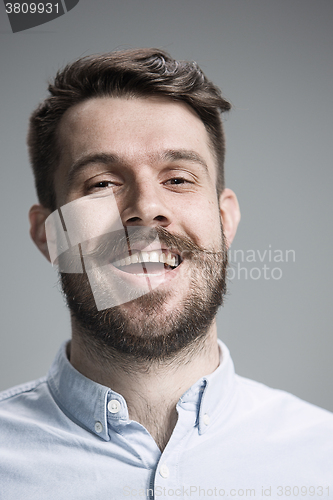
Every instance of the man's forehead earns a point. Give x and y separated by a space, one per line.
132 131
136 112
105 107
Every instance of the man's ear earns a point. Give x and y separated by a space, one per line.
230 214
37 216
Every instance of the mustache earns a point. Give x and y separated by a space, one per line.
124 242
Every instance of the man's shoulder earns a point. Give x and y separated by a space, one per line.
20 390
28 413
23 399
281 408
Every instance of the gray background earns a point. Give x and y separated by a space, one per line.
273 60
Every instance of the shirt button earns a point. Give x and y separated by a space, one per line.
206 419
114 406
98 427
164 471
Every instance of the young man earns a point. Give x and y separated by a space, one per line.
128 155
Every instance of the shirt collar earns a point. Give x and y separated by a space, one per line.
81 399
96 407
212 392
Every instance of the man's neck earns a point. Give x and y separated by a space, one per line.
151 391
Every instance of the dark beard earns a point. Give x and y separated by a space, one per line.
137 328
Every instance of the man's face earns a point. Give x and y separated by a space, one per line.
154 155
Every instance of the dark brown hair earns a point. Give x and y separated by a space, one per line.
129 73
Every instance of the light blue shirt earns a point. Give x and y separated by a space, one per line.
66 437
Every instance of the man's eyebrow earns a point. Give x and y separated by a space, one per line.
112 158
184 154
81 163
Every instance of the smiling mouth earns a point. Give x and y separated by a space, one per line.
148 263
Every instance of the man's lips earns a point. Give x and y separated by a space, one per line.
150 261
152 256
157 273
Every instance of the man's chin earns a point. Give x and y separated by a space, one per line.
155 326
154 306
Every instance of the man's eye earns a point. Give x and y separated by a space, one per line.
177 181
102 185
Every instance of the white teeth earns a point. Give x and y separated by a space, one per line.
154 256
144 257
134 258
171 260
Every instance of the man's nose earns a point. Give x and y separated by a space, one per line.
146 205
